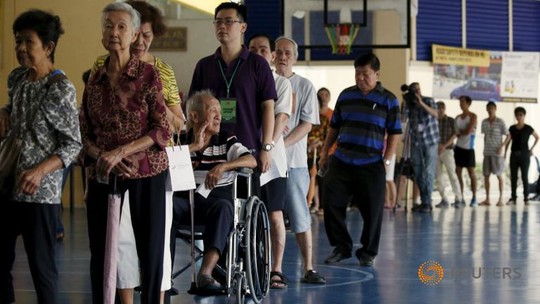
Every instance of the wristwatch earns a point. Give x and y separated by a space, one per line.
267 147
387 162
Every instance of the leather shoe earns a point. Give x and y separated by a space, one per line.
336 256
364 258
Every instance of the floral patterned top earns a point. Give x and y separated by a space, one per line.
111 117
317 135
46 121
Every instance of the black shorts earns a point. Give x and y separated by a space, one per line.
404 168
464 158
273 194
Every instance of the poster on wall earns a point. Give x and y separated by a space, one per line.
458 71
485 75
519 77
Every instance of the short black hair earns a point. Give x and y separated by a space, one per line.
270 40
368 59
467 99
241 10
441 104
491 103
46 25
519 110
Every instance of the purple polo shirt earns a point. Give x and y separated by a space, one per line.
252 84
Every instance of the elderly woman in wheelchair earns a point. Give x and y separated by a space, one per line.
215 153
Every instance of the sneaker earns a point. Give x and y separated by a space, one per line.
442 204
511 201
364 258
474 202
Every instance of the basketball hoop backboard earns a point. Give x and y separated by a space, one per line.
380 24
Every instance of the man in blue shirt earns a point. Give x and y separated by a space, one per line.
363 115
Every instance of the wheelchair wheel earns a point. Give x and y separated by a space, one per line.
257 243
239 288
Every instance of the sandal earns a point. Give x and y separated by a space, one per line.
280 283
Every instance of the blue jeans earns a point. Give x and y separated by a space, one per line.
424 161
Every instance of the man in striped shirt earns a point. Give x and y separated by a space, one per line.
493 129
363 114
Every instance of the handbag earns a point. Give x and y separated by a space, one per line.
10 150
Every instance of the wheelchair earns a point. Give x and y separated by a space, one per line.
248 257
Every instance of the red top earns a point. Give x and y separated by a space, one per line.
134 108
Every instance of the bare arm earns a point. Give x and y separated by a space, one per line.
331 137
391 145
267 130
30 180
506 143
431 111
279 125
215 174
535 135
301 130
471 126
175 117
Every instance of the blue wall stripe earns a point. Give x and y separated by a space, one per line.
527 25
437 22
487 24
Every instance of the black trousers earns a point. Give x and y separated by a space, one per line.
37 225
365 185
214 212
147 204
519 161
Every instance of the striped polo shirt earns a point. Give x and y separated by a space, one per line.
362 121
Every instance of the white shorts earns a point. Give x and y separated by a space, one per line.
128 275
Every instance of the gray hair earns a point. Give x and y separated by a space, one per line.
122 7
195 103
295 45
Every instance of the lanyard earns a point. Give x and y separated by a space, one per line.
228 83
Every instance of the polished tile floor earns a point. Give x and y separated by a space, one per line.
483 254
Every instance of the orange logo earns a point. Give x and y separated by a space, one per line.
430 273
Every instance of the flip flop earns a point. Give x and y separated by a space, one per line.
280 283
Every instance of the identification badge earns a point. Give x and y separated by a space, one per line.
228 110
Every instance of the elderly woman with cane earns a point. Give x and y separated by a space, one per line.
124 129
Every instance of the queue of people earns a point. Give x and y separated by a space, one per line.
131 111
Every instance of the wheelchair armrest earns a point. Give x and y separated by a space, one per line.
244 171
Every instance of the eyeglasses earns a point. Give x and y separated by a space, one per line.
227 22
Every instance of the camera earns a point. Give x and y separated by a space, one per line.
409 94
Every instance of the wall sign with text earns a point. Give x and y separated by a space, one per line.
175 39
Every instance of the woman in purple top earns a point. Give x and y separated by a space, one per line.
124 129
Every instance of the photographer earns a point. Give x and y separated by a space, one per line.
421 114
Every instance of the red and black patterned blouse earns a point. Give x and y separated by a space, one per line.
111 117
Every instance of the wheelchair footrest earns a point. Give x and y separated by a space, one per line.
207 292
